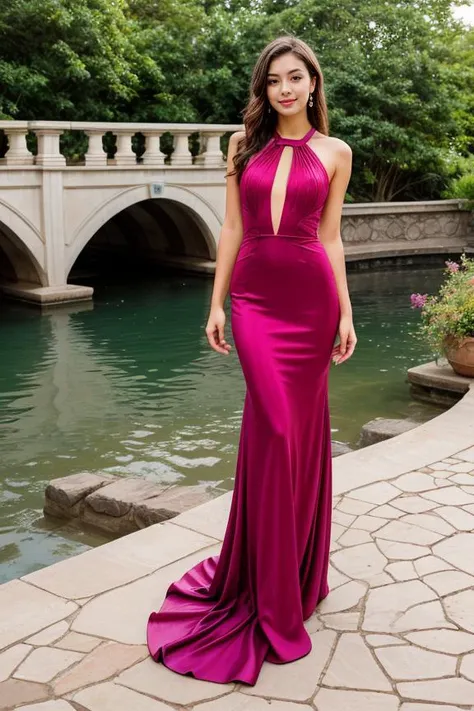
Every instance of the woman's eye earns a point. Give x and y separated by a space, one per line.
272 81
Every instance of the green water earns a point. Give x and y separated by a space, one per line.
129 385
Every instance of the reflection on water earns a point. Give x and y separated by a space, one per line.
129 385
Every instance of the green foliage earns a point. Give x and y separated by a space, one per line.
448 317
399 76
463 187
69 60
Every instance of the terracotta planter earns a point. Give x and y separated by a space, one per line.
460 356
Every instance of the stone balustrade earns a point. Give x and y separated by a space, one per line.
49 153
62 183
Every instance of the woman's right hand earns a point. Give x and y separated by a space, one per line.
215 330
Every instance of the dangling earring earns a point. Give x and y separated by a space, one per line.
310 102
269 109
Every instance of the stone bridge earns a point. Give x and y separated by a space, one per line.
166 207
156 196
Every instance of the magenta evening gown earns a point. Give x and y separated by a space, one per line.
232 611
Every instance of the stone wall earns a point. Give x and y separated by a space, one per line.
389 229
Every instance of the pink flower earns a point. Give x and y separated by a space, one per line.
452 266
418 300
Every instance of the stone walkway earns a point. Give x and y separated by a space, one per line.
396 632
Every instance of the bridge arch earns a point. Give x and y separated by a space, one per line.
189 219
22 248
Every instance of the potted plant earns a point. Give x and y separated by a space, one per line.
447 319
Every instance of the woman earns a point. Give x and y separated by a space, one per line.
281 258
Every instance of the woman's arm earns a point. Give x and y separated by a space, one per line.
227 250
330 225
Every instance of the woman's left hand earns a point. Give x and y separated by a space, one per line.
347 341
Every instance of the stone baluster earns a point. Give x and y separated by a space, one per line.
212 156
95 156
153 154
17 153
49 154
124 154
181 154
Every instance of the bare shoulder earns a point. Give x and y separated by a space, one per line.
341 158
332 146
234 143
337 145
236 137
232 149
342 148
334 153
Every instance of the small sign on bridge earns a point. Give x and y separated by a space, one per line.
157 189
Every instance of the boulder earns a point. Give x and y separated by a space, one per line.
171 503
64 497
117 525
338 448
380 429
117 498
120 505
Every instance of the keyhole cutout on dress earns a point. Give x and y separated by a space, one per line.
279 187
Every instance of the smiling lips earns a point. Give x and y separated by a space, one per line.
288 102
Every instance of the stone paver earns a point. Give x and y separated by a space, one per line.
299 680
158 681
412 663
353 506
448 581
396 632
346 621
45 663
15 692
118 562
104 662
449 641
460 608
430 564
53 705
78 642
334 699
238 702
10 659
428 707
445 691
112 697
467 667
383 640
49 635
104 616
27 609
379 493
343 598
403 570
457 550
353 666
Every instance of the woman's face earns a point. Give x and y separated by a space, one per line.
288 80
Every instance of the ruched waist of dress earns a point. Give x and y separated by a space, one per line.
252 238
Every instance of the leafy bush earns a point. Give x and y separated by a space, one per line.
448 317
463 188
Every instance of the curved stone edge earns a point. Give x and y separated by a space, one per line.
437 439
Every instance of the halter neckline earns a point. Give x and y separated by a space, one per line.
281 140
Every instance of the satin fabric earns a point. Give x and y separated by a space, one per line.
230 612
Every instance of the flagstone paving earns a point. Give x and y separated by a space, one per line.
396 632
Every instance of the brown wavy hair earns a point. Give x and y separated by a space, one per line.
259 123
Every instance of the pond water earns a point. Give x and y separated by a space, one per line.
128 384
